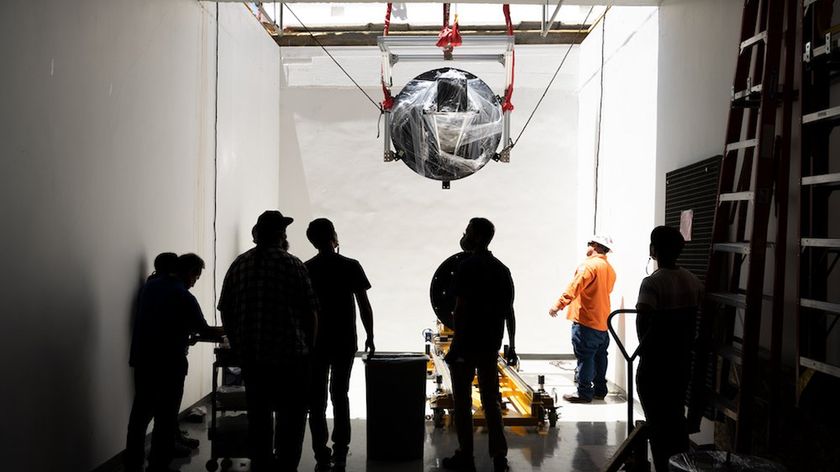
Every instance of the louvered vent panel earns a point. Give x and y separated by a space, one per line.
694 187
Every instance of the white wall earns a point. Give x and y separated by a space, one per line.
107 145
625 162
402 226
698 47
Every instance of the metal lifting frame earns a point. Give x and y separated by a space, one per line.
546 22
395 49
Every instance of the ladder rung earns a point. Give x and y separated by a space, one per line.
732 299
821 179
744 94
727 407
731 353
820 242
734 248
736 355
749 143
833 308
760 37
829 369
737 196
822 115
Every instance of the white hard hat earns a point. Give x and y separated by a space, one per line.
605 241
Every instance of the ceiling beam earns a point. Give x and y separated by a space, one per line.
618 3
525 33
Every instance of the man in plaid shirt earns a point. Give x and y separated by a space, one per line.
269 312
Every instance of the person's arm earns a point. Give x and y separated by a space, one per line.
583 276
510 321
195 317
310 305
646 305
366 314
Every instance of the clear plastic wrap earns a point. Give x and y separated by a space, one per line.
446 124
721 461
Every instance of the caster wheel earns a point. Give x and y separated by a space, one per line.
226 464
211 465
552 418
438 418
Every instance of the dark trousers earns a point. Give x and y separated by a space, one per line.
463 371
590 346
662 387
276 391
333 371
157 394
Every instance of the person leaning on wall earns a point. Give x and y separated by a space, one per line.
167 315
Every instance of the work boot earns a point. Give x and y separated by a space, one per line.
575 398
459 461
161 468
339 459
183 439
180 450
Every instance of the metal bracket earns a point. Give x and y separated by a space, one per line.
547 24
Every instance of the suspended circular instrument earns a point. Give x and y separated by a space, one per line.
446 124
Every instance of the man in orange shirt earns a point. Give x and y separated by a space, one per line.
588 300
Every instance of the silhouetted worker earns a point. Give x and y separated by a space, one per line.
166 263
337 280
668 305
483 291
588 299
268 310
167 315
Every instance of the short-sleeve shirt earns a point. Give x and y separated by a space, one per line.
167 314
675 296
486 288
268 306
336 279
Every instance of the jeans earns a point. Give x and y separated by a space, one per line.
333 370
590 346
463 371
271 391
157 394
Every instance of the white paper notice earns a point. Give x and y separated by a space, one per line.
686 219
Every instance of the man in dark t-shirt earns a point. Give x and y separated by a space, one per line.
483 291
339 283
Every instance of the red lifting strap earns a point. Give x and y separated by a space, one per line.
387 21
448 37
388 101
507 105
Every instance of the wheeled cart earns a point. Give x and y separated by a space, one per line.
228 431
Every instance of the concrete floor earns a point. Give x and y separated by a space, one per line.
584 439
